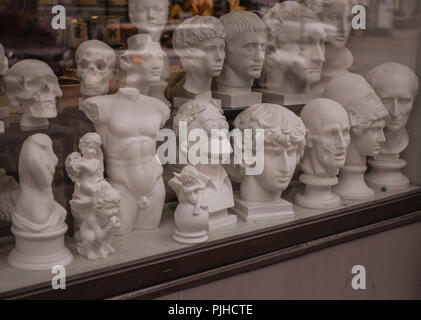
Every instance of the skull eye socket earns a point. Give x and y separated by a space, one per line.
84 64
33 83
101 65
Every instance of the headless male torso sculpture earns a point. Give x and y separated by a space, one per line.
128 123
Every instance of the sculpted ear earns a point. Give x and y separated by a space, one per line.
125 62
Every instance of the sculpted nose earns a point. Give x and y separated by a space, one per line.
395 108
260 55
319 53
382 138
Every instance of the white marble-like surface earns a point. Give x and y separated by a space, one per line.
150 244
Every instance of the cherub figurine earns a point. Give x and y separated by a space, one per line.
94 235
191 187
85 169
191 215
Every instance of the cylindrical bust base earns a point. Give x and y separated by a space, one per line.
387 174
190 238
352 185
317 193
39 251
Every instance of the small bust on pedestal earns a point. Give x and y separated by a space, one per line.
149 18
246 37
38 222
32 85
200 45
295 53
397 86
143 62
367 118
95 61
338 15
283 140
199 118
328 137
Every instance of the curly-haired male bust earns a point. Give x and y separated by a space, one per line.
199 43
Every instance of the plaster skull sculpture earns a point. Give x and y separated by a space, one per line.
284 141
143 62
38 222
397 86
149 16
95 61
367 118
199 43
338 15
295 51
204 118
32 84
191 216
128 124
246 37
328 138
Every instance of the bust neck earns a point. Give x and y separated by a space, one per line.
354 158
286 83
230 82
197 83
130 93
252 191
142 87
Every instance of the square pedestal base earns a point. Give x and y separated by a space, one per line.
221 219
179 101
288 99
251 211
239 100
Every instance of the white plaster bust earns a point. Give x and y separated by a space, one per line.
296 48
32 84
328 137
246 37
337 14
217 196
367 115
200 45
367 118
397 86
36 209
128 123
38 222
149 16
143 62
95 61
284 141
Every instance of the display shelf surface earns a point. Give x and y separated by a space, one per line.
150 245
